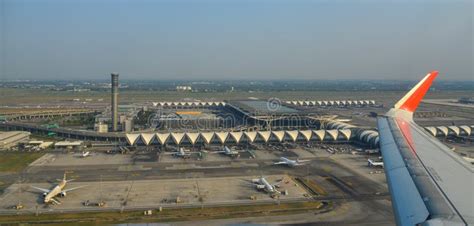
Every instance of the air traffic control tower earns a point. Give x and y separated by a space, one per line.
115 84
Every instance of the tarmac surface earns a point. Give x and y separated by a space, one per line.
132 194
151 179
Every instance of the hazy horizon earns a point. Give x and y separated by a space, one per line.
236 40
107 80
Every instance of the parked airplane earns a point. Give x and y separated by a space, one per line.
262 184
372 163
58 190
429 183
291 163
182 153
84 154
227 151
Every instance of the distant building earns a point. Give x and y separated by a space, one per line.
122 119
128 125
69 144
183 88
101 127
40 144
12 138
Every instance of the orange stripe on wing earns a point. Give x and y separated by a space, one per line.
414 100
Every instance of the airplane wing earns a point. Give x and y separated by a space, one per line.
72 189
429 183
280 163
41 189
277 184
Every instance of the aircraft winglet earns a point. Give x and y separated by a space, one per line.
413 98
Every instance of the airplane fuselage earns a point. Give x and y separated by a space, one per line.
370 162
289 162
54 192
268 187
181 153
227 151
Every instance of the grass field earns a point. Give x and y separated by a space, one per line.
100 218
16 161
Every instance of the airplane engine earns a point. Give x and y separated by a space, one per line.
62 194
45 194
260 186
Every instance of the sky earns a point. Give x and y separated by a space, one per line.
236 39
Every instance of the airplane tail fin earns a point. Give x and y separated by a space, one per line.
412 99
65 178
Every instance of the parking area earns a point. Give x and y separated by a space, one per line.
152 193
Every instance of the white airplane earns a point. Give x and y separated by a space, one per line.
262 184
291 163
84 154
372 163
227 151
182 153
58 190
429 183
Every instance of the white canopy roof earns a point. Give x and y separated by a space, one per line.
192 137
162 137
466 129
236 136
265 135
320 133
177 137
455 129
306 134
293 134
222 136
432 130
279 135
132 137
147 137
443 129
346 132
251 135
207 136
333 133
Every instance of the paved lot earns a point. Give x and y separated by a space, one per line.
152 193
